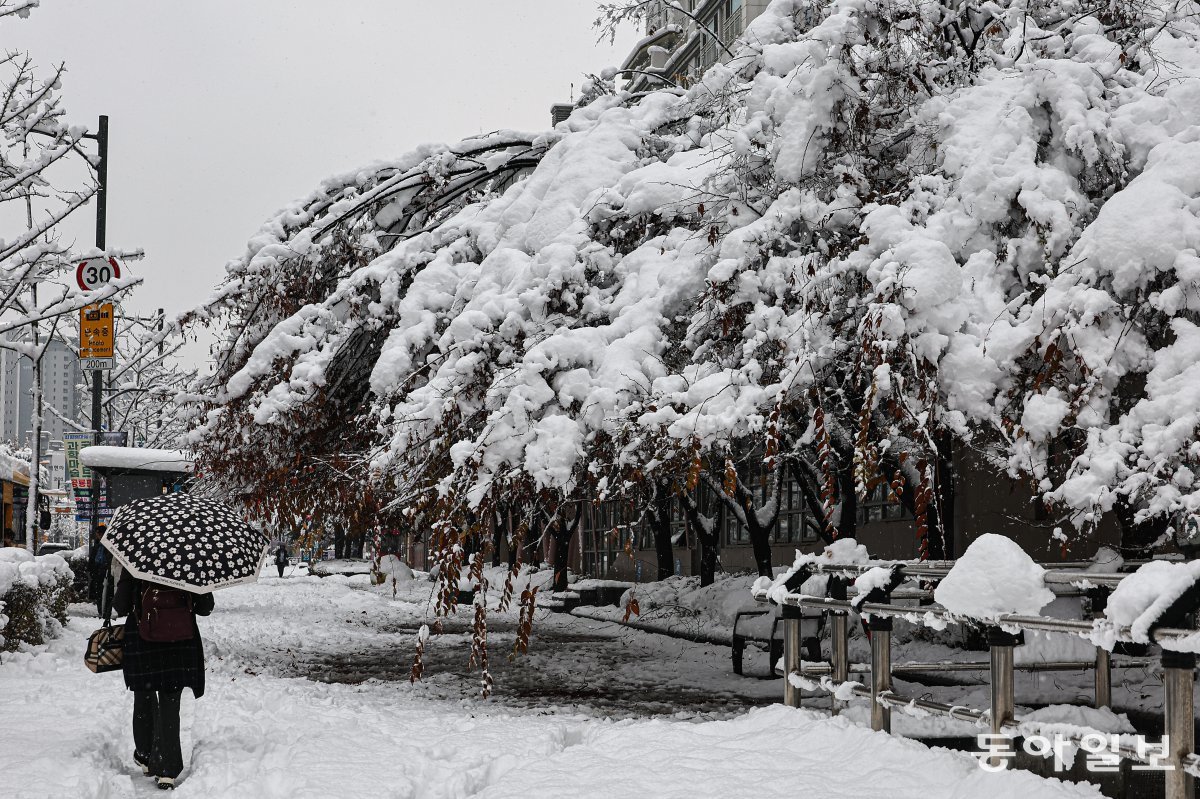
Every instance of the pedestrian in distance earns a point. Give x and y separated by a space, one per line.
281 559
98 569
163 655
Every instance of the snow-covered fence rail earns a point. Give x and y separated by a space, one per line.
995 589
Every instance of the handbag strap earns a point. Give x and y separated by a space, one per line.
106 598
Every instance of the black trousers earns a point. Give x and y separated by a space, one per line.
156 731
280 567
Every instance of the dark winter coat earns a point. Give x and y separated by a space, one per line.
155 666
281 557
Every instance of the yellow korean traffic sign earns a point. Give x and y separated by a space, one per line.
96 325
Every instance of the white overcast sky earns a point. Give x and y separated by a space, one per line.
222 111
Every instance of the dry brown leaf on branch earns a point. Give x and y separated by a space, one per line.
632 608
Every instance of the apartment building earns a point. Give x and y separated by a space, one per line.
681 43
61 385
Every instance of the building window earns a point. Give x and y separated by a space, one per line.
880 506
796 525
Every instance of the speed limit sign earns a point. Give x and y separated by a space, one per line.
95 273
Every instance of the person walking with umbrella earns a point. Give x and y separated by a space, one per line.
174 550
281 559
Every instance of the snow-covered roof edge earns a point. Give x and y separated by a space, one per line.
151 460
13 467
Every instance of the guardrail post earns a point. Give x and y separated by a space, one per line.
1103 678
840 653
791 654
881 671
1097 602
839 649
1179 681
1003 704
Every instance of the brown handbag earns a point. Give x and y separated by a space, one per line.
106 646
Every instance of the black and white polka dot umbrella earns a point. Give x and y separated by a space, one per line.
185 542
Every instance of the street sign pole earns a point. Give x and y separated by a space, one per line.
98 375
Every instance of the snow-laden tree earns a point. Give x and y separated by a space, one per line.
307 313
39 190
880 234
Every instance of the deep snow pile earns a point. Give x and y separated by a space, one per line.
1142 597
259 735
993 577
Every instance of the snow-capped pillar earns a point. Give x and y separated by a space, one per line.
1003 703
839 651
1097 602
1179 681
791 655
881 671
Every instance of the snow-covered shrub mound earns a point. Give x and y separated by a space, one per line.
528 577
393 568
34 593
1142 597
712 606
993 577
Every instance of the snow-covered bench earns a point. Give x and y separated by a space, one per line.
763 627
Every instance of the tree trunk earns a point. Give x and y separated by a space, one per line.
806 478
564 531
847 525
760 535
31 501
499 533
339 543
708 558
664 503
941 530
532 554
706 534
356 545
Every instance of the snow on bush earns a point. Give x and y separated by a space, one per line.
34 592
391 567
993 577
1139 599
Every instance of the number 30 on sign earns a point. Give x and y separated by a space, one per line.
96 273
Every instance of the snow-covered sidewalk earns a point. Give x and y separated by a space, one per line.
258 734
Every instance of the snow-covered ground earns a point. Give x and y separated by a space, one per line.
263 731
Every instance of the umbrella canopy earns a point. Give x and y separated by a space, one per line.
185 542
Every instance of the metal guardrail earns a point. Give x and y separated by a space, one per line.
1177 663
